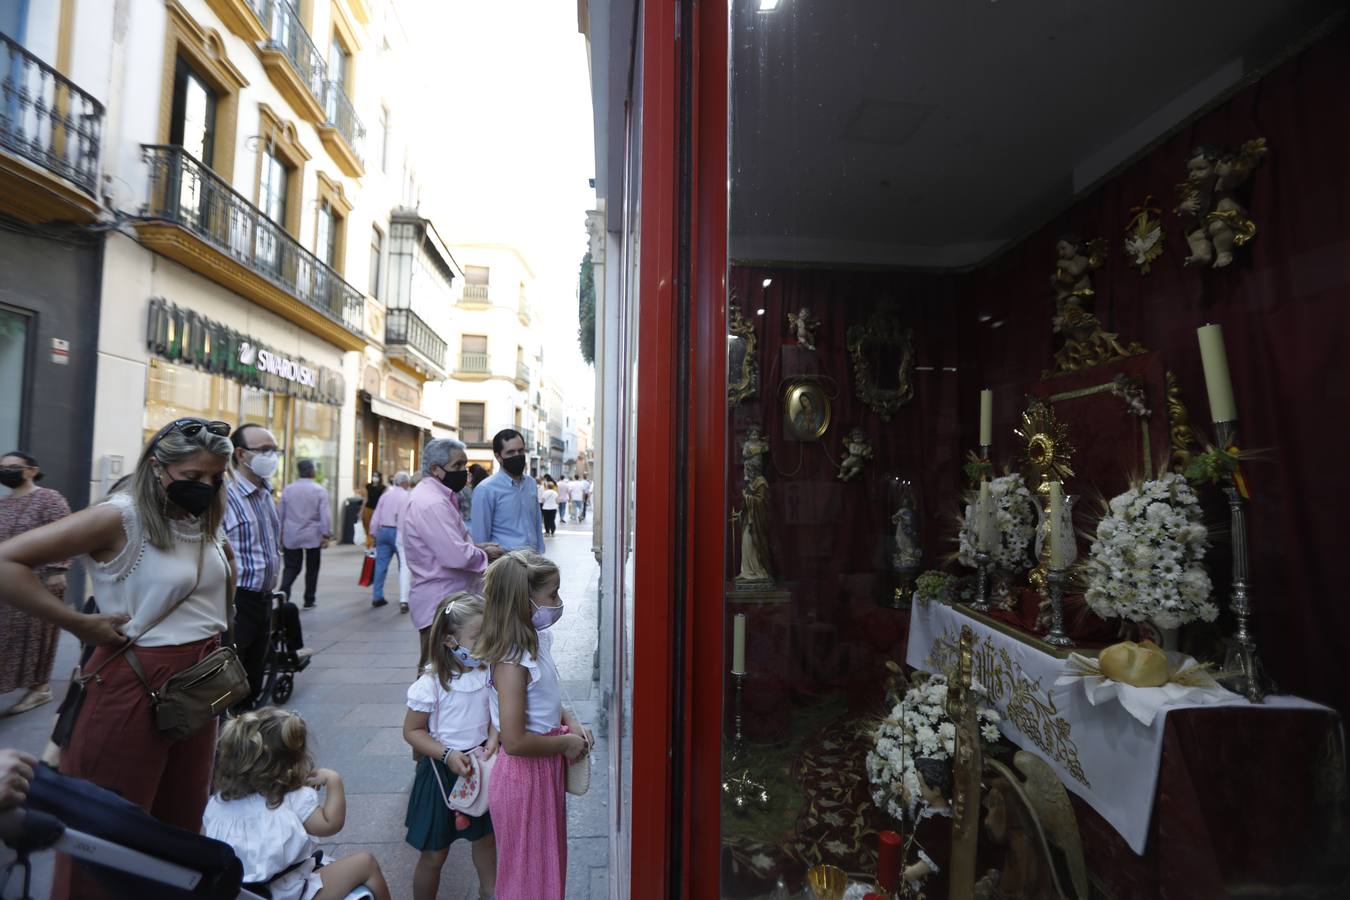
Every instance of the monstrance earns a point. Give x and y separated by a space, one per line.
1048 453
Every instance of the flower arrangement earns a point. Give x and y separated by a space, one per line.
1146 564
1015 519
917 727
933 585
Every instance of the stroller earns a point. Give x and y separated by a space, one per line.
282 663
132 854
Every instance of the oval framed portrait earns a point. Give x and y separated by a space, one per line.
806 411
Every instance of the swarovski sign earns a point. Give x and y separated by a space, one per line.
182 336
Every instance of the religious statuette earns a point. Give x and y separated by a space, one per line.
858 450
756 561
742 360
1144 236
907 556
1086 343
1031 819
804 325
1216 221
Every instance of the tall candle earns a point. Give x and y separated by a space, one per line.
1056 516
888 861
1215 360
986 417
738 644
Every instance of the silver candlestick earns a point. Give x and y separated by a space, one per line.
738 786
984 452
981 603
1242 668
1056 636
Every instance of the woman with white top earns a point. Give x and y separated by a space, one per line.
156 542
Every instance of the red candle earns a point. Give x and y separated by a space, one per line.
873 895
888 860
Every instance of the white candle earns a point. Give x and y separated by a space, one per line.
1214 358
986 417
738 644
1056 517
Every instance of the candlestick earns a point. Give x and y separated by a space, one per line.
1214 358
741 789
888 861
985 522
986 419
738 644
981 603
1056 636
1243 669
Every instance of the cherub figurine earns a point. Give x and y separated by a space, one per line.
859 451
1072 280
754 447
934 777
1218 222
804 324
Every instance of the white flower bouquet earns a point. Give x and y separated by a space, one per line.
1146 564
1014 518
917 728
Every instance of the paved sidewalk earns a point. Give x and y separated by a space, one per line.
353 696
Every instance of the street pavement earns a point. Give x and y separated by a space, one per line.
353 694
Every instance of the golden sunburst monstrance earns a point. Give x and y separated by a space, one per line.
1048 450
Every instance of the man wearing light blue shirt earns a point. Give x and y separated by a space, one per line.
506 506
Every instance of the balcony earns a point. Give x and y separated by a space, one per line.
522 376
523 312
408 338
475 297
247 18
294 65
474 367
342 132
195 218
528 435
50 132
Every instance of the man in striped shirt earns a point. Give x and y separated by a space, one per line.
254 530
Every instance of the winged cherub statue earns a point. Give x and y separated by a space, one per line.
805 325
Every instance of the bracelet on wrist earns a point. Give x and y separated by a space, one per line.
445 757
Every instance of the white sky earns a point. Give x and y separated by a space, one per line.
506 147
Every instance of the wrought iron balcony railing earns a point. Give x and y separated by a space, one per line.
187 193
522 373
342 116
474 364
46 119
528 435
290 37
475 295
405 327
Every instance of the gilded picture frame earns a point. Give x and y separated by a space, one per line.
883 363
806 410
742 356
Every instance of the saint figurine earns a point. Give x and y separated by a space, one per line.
928 814
908 554
859 451
756 560
1218 222
804 324
1072 280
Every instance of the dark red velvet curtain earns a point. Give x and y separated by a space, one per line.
1285 308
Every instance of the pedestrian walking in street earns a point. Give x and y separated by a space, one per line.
440 552
384 524
506 505
306 529
587 488
28 644
448 719
526 792
266 806
564 491
550 508
254 531
576 492
157 555
373 491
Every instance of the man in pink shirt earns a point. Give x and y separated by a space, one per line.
438 550
384 528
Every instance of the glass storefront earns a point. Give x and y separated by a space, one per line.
13 362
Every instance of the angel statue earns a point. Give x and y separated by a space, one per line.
1072 280
1032 820
859 451
804 324
756 562
1218 222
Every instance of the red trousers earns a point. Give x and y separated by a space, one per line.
115 745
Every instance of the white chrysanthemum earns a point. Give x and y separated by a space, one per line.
1015 518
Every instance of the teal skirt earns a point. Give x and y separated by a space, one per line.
431 824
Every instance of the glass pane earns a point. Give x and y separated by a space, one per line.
315 437
173 392
13 357
199 111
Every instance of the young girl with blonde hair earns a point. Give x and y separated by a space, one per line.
448 719
266 806
526 791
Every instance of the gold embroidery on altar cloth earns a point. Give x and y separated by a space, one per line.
1017 696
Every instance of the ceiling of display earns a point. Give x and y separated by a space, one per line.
934 133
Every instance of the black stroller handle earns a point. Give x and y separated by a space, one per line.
26 830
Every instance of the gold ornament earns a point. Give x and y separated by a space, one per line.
1144 236
1179 425
1048 453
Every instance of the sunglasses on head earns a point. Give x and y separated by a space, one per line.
193 427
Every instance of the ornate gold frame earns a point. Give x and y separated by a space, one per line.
1182 438
882 328
745 383
791 392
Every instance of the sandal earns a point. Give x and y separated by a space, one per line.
31 700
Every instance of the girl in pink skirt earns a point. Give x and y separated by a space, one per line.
525 793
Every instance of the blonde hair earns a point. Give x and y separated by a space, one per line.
507 630
452 615
167 447
263 752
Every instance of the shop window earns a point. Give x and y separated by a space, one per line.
13 366
471 418
193 117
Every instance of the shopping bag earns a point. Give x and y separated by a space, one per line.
359 534
367 570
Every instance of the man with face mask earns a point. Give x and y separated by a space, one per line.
254 530
506 506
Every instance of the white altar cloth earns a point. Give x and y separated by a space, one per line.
1101 753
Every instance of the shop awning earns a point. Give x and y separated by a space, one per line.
441 430
399 414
